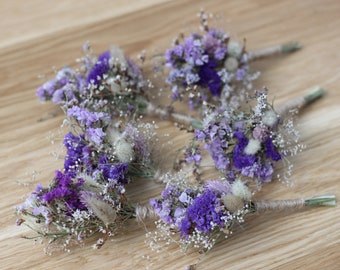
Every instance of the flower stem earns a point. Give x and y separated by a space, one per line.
328 200
167 113
274 50
296 204
301 102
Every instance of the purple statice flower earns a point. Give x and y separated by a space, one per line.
99 69
116 172
202 214
44 211
216 149
65 190
87 118
60 89
222 187
200 135
193 51
96 135
241 73
270 150
193 155
210 78
46 91
170 207
78 155
241 159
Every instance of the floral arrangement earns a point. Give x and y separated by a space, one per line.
204 214
211 65
88 195
247 142
109 145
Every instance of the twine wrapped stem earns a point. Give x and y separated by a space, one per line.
274 50
301 102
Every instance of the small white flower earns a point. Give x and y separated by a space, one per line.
234 49
269 118
231 64
239 189
252 147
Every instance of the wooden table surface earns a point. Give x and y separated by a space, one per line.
39 34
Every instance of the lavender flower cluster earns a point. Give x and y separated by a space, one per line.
88 196
103 87
247 142
206 66
202 213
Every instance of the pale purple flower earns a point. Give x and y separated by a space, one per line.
96 135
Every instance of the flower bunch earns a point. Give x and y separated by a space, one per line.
203 214
211 65
106 83
247 142
88 195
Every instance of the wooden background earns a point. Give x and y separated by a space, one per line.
39 34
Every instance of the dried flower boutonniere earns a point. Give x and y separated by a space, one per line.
197 216
209 66
248 141
87 199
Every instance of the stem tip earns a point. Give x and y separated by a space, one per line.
314 94
291 47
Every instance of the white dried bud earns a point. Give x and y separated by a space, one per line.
123 150
234 49
232 203
113 135
252 147
117 56
102 209
239 189
90 184
269 118
231 64
115 88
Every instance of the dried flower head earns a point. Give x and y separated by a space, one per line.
208 65
247 141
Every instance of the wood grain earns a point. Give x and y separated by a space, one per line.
38 34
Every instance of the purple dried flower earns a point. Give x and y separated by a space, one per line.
87 118
209 78
96 135
241 159
270 150
113 172
99 69
64 190
202 214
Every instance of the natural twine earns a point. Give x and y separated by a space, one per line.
144 211
167 113
281 205
294 104
263 53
